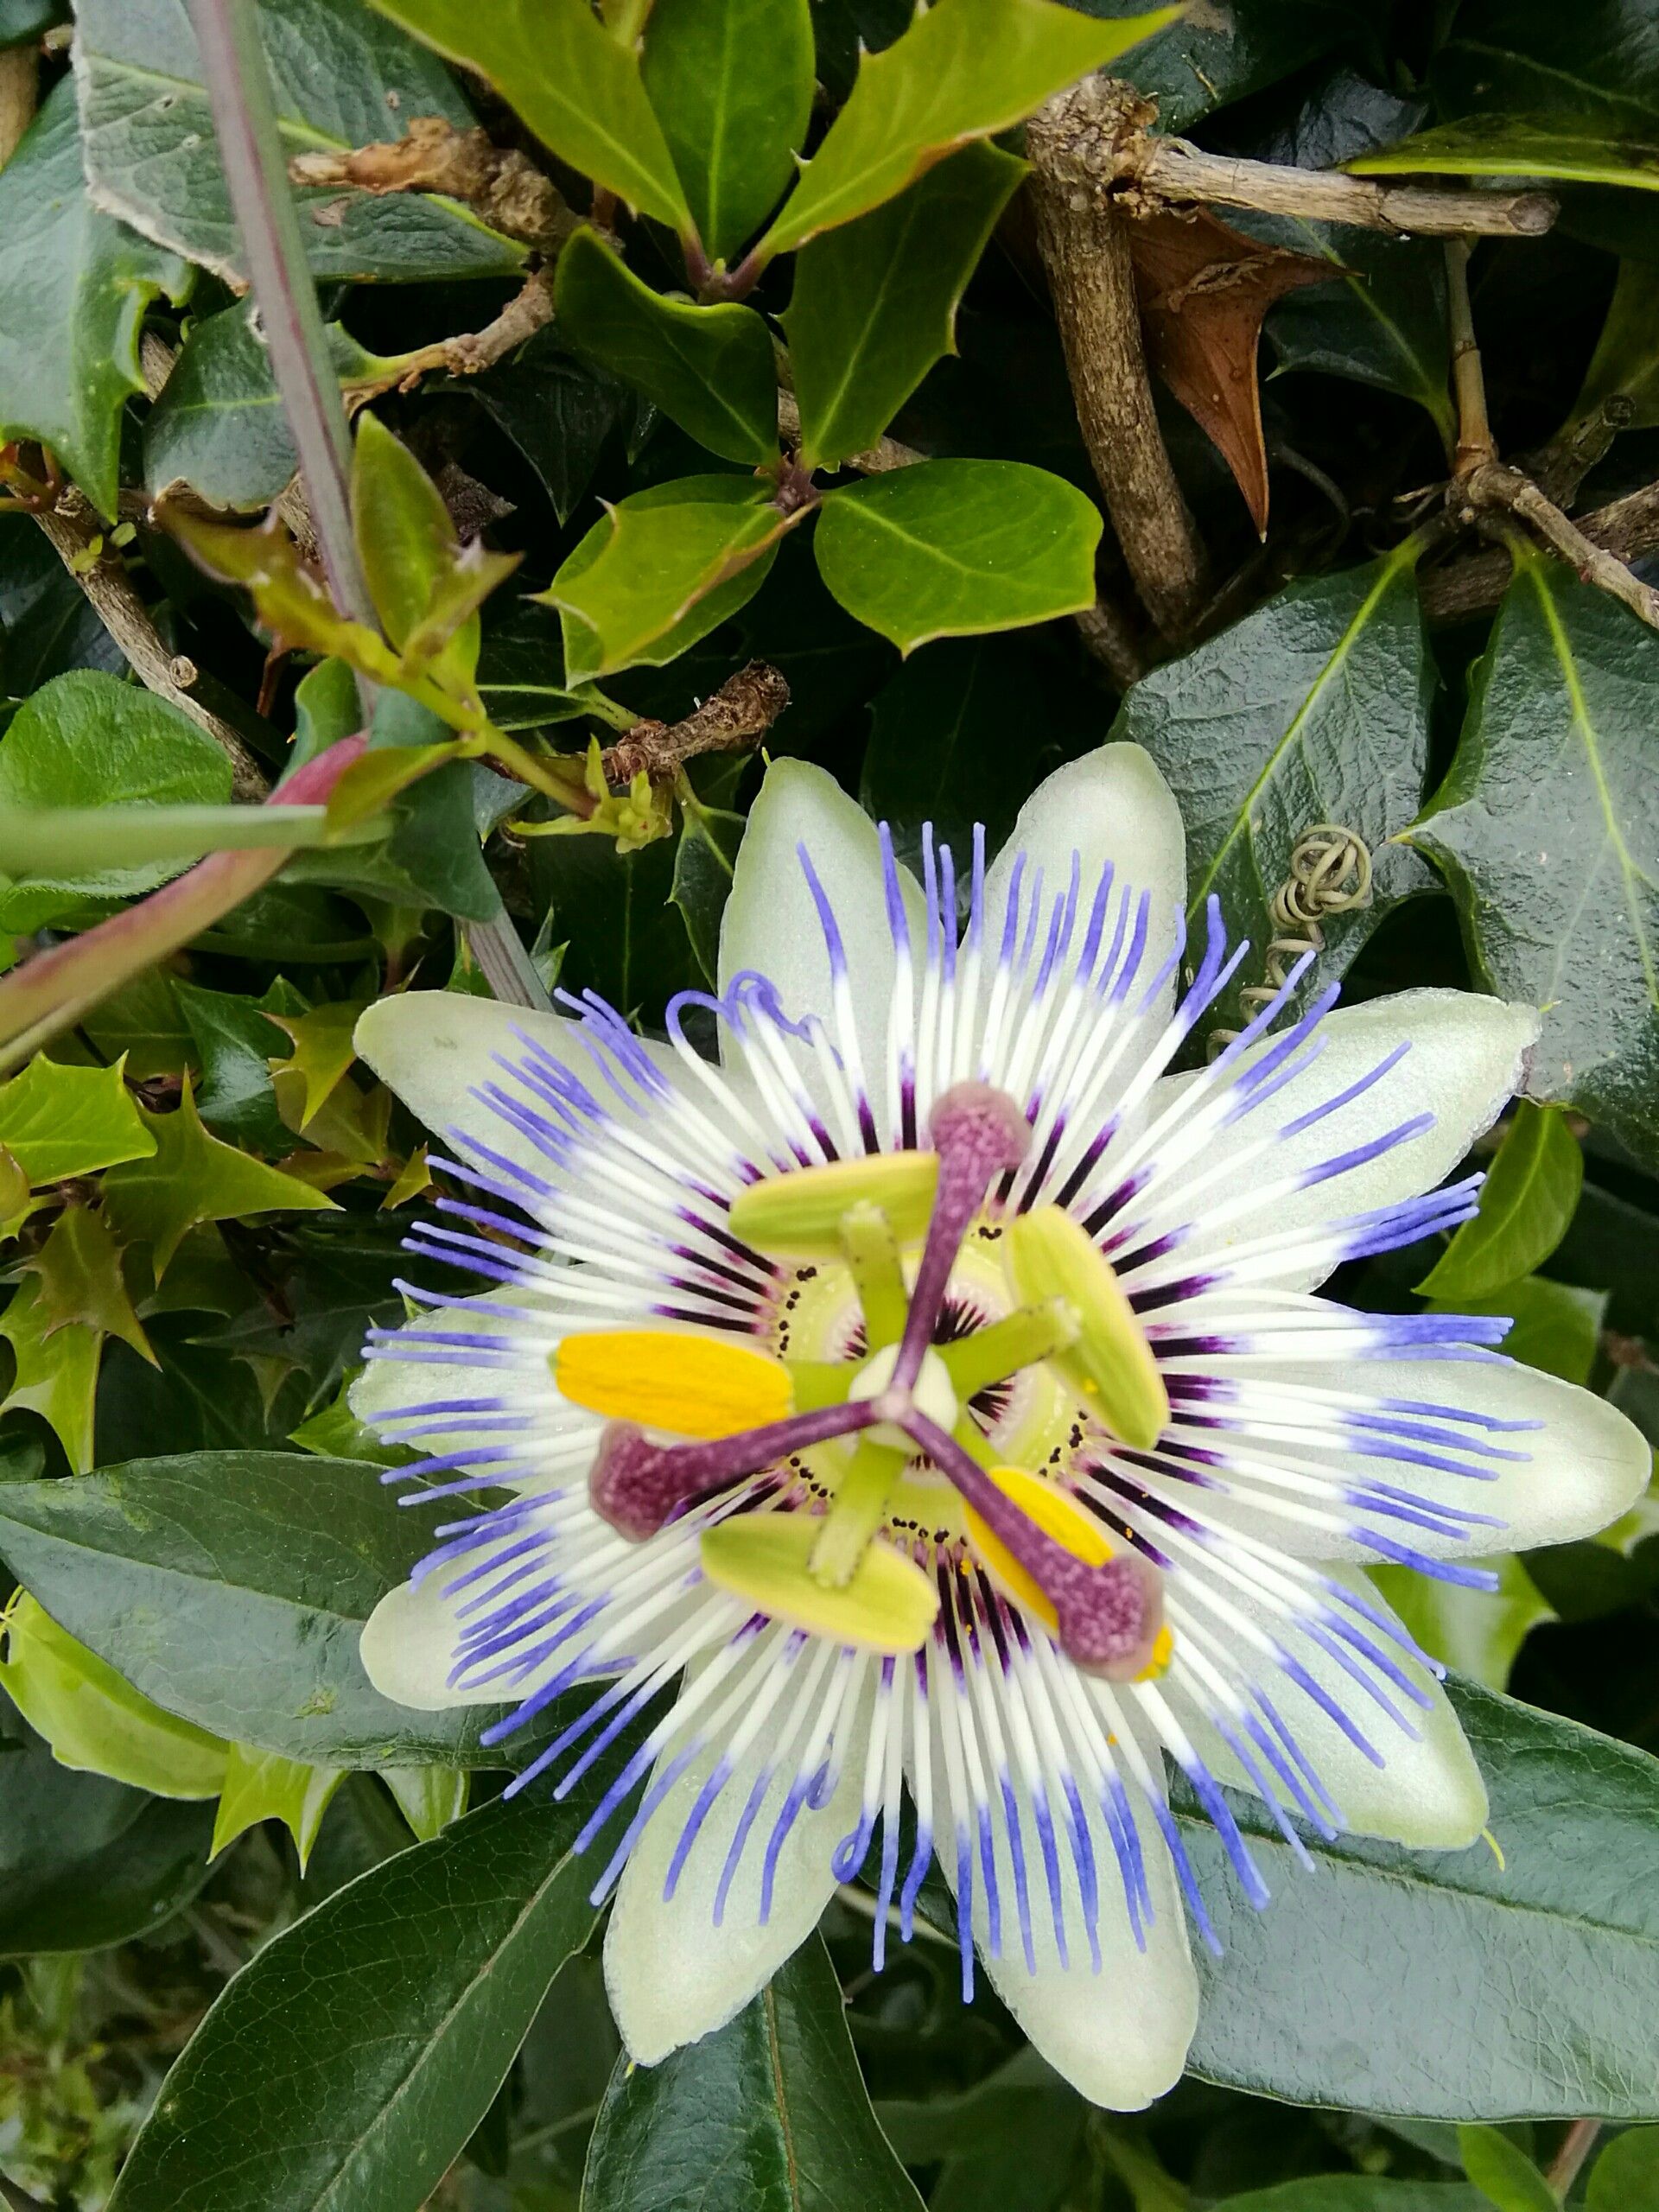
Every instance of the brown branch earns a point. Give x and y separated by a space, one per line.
1109 637
730 720
1626 528
506 188
468 355
1475 445
1493 489
1172 170
1073 145
19 79
79 539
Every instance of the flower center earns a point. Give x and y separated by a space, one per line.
858 1423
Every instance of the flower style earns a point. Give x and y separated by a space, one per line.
931 1398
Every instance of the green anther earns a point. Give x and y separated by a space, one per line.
800 1215
871 1251
859 1509
1002 1348
1047 1255
819 1382
888 1603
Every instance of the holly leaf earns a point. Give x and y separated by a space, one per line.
1546 831
965 69
340 79
57 1120
78 1270
262 1785
578 88
661 570
710 369
731 82
236 1039
946 548
54 1372
1204 290
322 1051
191 1177
875 301
74 284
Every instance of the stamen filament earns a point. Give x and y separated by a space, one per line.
857 1512
872 1256
1002 1348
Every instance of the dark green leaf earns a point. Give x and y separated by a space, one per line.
87 739
613 914
73 287
234 1043
21 20
946 548
731 81
773 2105
1547 830
200 1400
576 86
1519 145
1621 386
349 2063
218 425
704 861
231 1587
142 1020
1482 1990
963 70
557 412
874 302
84 1862
661 570
1598 65
959 736
50 626
521 670
1314 709
1359 2193
710 369
1208 58
1527 1200
340 80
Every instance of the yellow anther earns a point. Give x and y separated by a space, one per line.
1057 1514
800 1215
1047 1255
887 1604
690 1386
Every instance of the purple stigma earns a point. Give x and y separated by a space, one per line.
637 1485
979 1134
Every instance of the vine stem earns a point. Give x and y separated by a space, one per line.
256 173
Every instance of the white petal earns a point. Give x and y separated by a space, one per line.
1468 1057
433 1047
672 1973
1112 806
771 923
1119 2036
408 1649
1586 1465
1428 1793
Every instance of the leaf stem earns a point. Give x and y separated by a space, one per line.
1476 444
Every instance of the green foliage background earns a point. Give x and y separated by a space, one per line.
247 1898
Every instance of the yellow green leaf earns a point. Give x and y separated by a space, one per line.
57 1121
56 1375
322 1047
264 1786
79 1268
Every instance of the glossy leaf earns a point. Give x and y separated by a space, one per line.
94 1720
661 570
232 1588
1477 1631
704 861
731 81
1526 1204
86 1863
1312 710
264 1786
1503 2172
88 740
218 425
350 2063
773 2104
1207 59
559 412
1598 67
1531 1990
191 1177
875 301
235 1042
1546 831
710 369
1518 145
74 284
339 79
947 548
57 1120
54 1372
576 88
964 70
1359 2193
